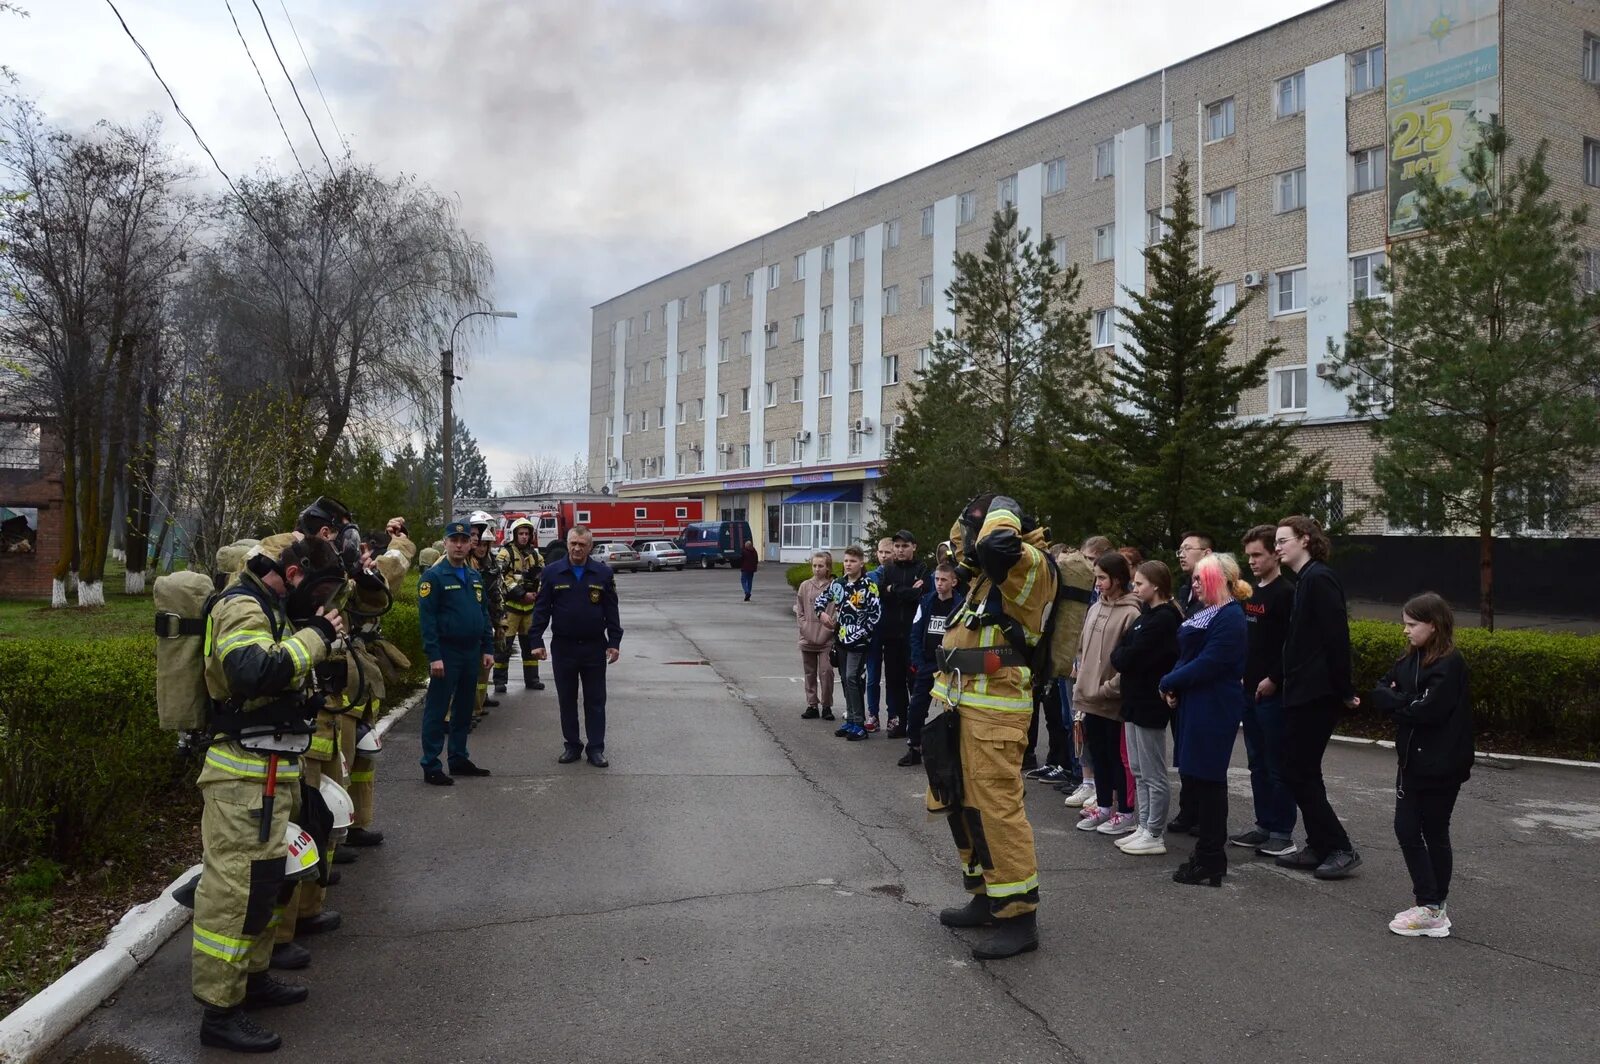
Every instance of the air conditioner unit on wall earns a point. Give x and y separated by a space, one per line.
612 463
804 435
1325 370
724 448
863 425
899 421
1254 279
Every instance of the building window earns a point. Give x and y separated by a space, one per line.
1158 141
1290 95
772 452
855 310
858 247
1368 169
627 424
1289 291
795 384
1366 70
661 420
1591 274
744 456
683 413
800 267
797 450
824 445
1591 59
647 372
700 409
891 370
1591 162
722 404
827 318
925 354
1289 390
702 302
744 343
1289 191
1219 120
966 208
630 327
824 383
891 234
1104 239
855 443
749 285
724 458
1103 333
744 399
855 376
1058 251
771 333
683 310
663 365
799 330
722 349
1224 297
1364 282
774 276
1006 193
725 293
1155 227
827 258
1055 176
772 394
1105 159
927 222
821 525
647 316
1221 208
891 300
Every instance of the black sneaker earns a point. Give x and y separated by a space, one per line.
842 731
1338 865
437 778
811 713
1277 847
913 757
1250 839
1050 774
465 767
827 713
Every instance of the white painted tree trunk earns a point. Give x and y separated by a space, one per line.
118 555
133 583
58 594
91 594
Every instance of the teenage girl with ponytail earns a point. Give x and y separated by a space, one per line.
1207 686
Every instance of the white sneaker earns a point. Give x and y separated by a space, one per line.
1129 840
1421 922
1148 846
1084 793
1119 824
1093 821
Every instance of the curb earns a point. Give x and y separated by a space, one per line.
52 1013
1483 757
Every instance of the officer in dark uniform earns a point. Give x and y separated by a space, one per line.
459 642
578 596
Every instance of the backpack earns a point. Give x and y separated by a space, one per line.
183 605
1064 625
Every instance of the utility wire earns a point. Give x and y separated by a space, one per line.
313 71
294 88
270 102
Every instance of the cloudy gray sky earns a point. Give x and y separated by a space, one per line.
598 143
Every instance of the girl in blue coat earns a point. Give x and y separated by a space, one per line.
1208 685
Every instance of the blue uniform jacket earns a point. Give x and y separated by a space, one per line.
1209 682
452 611
578 609
919 629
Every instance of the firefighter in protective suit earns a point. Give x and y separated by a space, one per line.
984 677
520 566
259 672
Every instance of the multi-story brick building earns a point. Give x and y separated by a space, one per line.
767 377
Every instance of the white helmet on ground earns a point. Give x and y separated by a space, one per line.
368 744
339 803
302 857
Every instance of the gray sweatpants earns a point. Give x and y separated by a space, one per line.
1147 760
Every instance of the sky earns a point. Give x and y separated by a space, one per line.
597 144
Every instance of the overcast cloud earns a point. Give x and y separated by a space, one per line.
595 144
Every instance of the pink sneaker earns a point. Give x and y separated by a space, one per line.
1119 824
1089 809
1421 922
1093 817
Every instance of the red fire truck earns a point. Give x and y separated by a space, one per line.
609 518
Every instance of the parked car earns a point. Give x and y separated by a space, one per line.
661 554
620 556
706 543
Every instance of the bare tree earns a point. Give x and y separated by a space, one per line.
543 473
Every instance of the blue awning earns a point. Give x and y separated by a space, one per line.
826 493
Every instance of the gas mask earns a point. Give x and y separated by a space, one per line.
330 512
318 589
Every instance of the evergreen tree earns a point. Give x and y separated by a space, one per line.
1483 366
1171 455
471 471
376 487
996 408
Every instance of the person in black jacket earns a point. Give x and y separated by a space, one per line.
1191 548
1148 651
1317 688
1426 695
905 582
1268 613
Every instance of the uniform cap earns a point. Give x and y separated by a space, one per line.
905 535
456 528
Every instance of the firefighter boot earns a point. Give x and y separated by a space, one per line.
263 990
1018 934
231 1029
976 913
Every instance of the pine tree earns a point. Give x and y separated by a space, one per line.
996 407
1483 366
1171 454
471 470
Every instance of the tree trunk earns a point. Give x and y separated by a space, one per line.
67 555
1486 533
91 560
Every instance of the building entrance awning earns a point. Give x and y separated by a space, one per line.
826 493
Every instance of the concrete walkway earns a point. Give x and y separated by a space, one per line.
740 886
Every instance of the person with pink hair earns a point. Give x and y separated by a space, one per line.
1207 688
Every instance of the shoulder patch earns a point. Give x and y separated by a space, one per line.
424 589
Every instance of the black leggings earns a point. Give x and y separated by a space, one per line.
1103 737
1422 824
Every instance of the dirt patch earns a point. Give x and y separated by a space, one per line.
890 890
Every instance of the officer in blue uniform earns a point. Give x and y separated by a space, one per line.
459 642
578 600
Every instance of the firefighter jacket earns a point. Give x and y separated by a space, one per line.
520 565
1014 576
376 661
494 586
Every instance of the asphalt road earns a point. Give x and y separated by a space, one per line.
740 886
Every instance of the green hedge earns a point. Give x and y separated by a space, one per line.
801 572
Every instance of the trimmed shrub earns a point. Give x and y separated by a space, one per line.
403 628
801 572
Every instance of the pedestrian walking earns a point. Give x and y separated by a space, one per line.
1207 687
1097 692
816 639
578 603
850 606
459 643
1268 613
1317 688
1427 696
749 562
1147 652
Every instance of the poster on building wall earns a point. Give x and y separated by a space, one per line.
1443 59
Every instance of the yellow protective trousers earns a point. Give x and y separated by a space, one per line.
309 895
991 828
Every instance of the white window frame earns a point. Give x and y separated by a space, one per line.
647 316
891 301
798 328
771 335
722 349
1058 251
824 383
1158 141
797 450
744 456
749 284
1105 159
1224 297
796 388
927 222
744 343
1105 242
1221 120
1289 191
827 258
744 399
1291 373
855 376
647 365
700 409
858 246
1055 175
702 302
925 356
1375 163
966 207
722 404
1105 327
857 311
1005 192
1364 277
1222 209
725 292
891 234
774 276
683 413
772 394
855 443
627 423
1289 95
891 370
1591 162
1155 227
925 290
824 446
1591 272
1297 278
771 451
827 319
800 267
1370 63
683 310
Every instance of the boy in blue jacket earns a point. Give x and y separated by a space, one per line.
927 632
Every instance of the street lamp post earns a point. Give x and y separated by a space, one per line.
446 436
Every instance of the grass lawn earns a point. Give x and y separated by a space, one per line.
121 615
